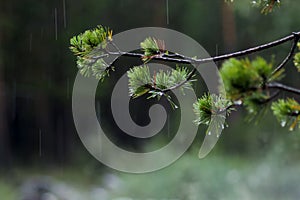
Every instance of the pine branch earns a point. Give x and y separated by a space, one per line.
187 60
178 58
295 36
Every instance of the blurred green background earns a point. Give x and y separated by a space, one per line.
41 155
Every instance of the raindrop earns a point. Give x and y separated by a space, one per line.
283 123
209 133
222 126
238 102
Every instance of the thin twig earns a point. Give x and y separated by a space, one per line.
273 96
172 55
232 106
289 56
283 87
250 50
158 57
189 77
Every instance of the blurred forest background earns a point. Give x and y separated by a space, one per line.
38 140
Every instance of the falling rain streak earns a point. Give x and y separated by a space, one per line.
40 142
49 81
65 18
217 52
98 109
68 87
30 42
167 5
168 121
42 33
55 22
14 96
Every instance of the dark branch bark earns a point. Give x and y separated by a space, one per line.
250 50
289 56
187 60
294 36
178 58
283 87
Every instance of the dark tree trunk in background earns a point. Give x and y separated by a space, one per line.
4 134
228 26
4 139
159 15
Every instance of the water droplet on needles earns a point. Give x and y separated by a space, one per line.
222 126
238 102
283 123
